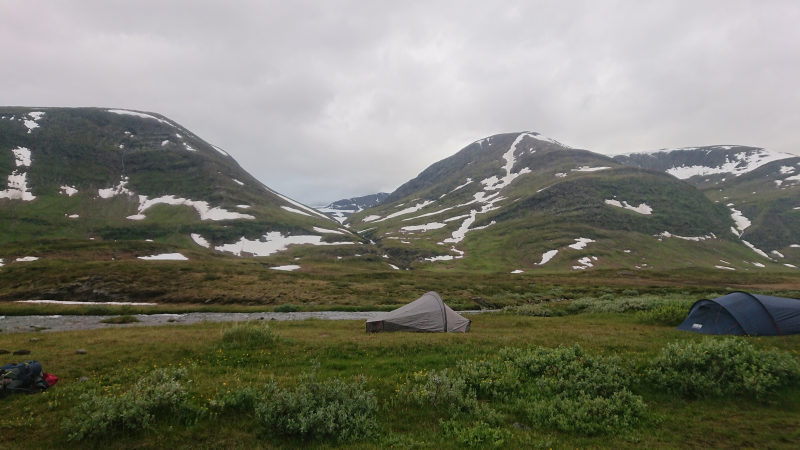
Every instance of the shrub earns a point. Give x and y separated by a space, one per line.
726 367
158 393
588 414
569 370
332 409
238 400
118 320
249 335
533 310
605 304
492 378
287 308
669 313
479 435
438 389
630 292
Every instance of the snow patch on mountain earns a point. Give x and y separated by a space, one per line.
581 243
299 205
220 150
31 124
200 240
757 250
126 112
641 209
202 208
165 257
119 189
272 242
741 221
325 230
547 256
585 263
426 227
469 180
22 157
589 169
18 180
456 218
494 183
409 210
667 234
737 165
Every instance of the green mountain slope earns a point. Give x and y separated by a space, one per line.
521 201
90 173
760 188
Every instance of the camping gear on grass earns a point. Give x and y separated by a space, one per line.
425 314
26 377
741 313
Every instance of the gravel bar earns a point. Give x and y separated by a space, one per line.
27 324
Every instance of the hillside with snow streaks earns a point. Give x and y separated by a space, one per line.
100 174
519 200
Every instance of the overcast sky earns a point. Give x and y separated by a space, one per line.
332 99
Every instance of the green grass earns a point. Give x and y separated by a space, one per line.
117 358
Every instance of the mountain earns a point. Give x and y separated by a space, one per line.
341 209
525 202
761 188
110 174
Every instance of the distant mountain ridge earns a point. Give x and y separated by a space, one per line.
341 209
522 200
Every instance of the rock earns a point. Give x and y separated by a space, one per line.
4 351
83 379
520 426
22 352
33 340
81 351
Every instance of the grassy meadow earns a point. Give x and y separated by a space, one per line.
117 358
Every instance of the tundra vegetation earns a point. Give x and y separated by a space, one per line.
602 376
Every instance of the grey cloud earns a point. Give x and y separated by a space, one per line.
341 98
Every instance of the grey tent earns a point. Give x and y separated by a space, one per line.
425 314
744 314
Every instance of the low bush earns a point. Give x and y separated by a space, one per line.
481 434
159 393
118 320
287 308
569 370
589 414
728 367
332 409
490 378
537 310
249 335
237 400
608 304
670 313
443 389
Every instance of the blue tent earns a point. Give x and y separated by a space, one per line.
744 314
